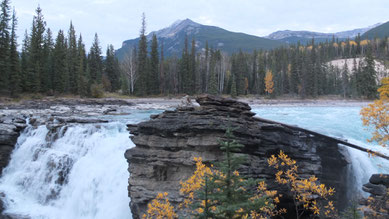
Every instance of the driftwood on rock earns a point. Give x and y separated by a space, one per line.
166 145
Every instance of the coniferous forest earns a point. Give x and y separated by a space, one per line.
59 64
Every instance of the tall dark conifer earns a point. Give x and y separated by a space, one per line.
112 69
61 77
48 77
82 80
153 76
72 59
140 86
36 59
95 62
5 17
24 68
14 65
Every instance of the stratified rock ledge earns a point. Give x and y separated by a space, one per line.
166 145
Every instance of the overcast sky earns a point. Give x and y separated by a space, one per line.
119 20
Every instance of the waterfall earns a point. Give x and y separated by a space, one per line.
74 171
341 122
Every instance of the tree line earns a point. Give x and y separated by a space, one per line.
63 66
296 70
52 66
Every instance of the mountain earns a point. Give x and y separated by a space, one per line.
290 36
379 31
173 38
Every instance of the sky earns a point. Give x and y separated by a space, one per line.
119 20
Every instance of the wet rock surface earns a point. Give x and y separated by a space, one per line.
377 205
167 144
10 128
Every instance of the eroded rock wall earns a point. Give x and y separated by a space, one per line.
167 144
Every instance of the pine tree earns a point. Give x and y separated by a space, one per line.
14 79
95 62
61 77
141 85
366 79
229 199
184 76
72 59
112 69
233 87
153 76
345 80
192 68
5 17
36 58
24 57
82 80
47 78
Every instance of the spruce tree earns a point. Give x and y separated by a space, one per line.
95 62
60 64
226 193
153 76
36 58
366 79
5 18
141 85
82 80
72 59
112 69
14 69
192 68
184 77
24 67
47 78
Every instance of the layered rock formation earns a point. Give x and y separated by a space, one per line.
377 205
167 144
10 128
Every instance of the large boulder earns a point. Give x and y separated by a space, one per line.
166 145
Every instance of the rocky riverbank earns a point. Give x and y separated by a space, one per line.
377 205
167 144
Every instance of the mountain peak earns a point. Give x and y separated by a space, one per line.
187 25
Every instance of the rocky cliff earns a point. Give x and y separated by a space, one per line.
167 144
10 128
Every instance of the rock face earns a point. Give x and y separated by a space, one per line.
167 144
377 205
10 128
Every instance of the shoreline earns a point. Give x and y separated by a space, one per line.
167 102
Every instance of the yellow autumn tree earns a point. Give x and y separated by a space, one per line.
376 115
160 208
269 83
303 190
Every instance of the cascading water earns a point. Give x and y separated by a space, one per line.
72 171
340 122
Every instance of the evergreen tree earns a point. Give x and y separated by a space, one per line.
36 58
153 77
14 79
82 81
24 68
227 195
233 87
112 69
141 85
192 69
366 79
5 17
213 88
61 76
95 62
184 75
345 80
72 59
48 77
